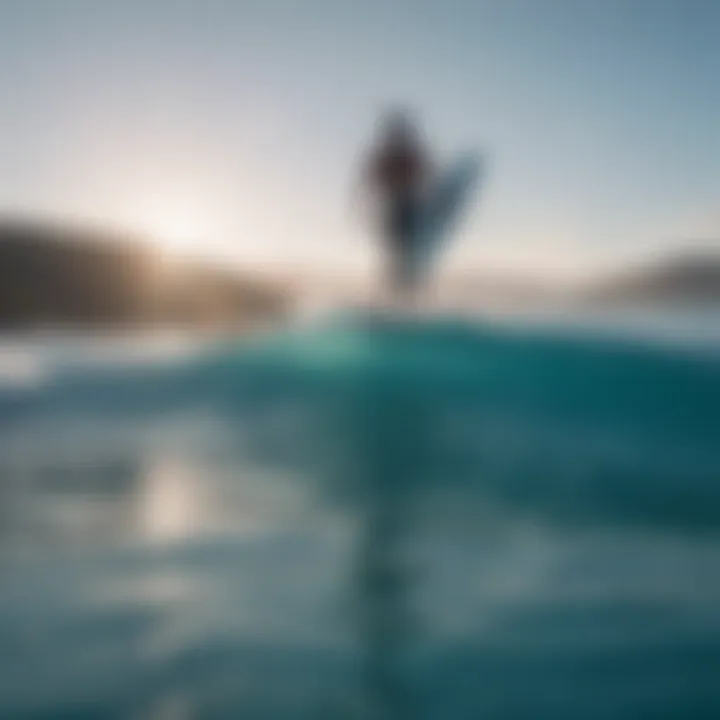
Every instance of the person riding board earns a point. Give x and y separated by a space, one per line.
396 174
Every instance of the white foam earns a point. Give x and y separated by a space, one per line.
31 360
20 367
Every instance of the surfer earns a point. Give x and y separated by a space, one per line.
396 175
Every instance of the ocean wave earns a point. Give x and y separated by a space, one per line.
579 428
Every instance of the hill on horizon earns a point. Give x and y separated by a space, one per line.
57 274
689 277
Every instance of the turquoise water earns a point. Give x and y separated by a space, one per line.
434 519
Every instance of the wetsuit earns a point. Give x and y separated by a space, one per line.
398 173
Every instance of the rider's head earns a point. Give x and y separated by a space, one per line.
397 127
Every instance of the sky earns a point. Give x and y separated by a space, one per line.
233 128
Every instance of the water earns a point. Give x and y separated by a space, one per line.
437 519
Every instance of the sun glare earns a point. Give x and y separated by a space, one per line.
176 231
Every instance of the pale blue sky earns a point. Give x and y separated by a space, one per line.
236 124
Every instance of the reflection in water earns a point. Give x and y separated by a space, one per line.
80 485
384 427
170 503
